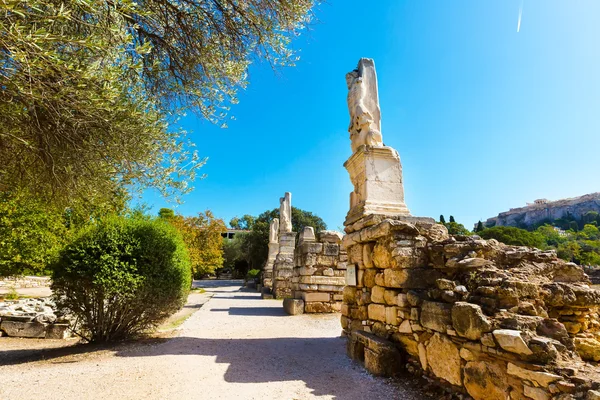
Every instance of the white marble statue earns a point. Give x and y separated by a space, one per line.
363 104
285 213
274 231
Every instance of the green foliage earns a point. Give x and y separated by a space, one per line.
581 246
31 234
244 223
12 294
479 227
122 276
91 88
454 228
513 236
166 213
202 237
442 220
452 219
252 247
253 274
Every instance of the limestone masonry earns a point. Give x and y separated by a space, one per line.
477 317
543 209
319 273
283 267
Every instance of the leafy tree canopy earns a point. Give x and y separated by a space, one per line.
513 236
202 237
90 88
253 246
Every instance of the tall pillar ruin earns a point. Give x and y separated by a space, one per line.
283 267
273 250
475 316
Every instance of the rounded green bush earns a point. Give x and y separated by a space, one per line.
122 276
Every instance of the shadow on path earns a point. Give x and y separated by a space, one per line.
321 363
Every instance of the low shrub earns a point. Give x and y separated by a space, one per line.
252 274
122 276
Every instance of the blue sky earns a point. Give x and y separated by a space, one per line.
484 118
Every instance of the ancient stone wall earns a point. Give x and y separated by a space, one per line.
478 317
319 273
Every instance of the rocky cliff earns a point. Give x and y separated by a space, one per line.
542 210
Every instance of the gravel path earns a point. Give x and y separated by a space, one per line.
236 346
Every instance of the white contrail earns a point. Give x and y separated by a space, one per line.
520 15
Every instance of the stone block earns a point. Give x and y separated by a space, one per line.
391 297
377 312
349 294
328 272
345 309
391 316
415 278
377 294
306 287
330 288
469 321
369 278
402 300
436 316
57 331
330 249
293 306
381 357
541 377
306 271
409 345
485 381
511 341
405 327
317 307
588 348
315 297
23 329
330 237
368 255
535 393
445 359
323 280
308 247
593 395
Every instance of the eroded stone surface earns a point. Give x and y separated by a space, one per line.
441 348
485 381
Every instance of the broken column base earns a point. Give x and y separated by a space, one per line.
266 293
293 306
379 356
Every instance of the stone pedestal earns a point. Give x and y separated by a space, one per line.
268 268
283 269
376 173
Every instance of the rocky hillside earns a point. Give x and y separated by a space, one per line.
542 210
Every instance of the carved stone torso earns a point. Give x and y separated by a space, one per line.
285 213
363 105
274 231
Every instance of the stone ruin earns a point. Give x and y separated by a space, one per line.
319 273
283 266
479 318
267 275
309 277
32 318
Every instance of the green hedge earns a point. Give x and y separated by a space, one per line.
122 276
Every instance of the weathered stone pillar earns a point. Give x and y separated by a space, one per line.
273 250
284 261
283 269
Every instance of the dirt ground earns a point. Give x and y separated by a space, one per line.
236 346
